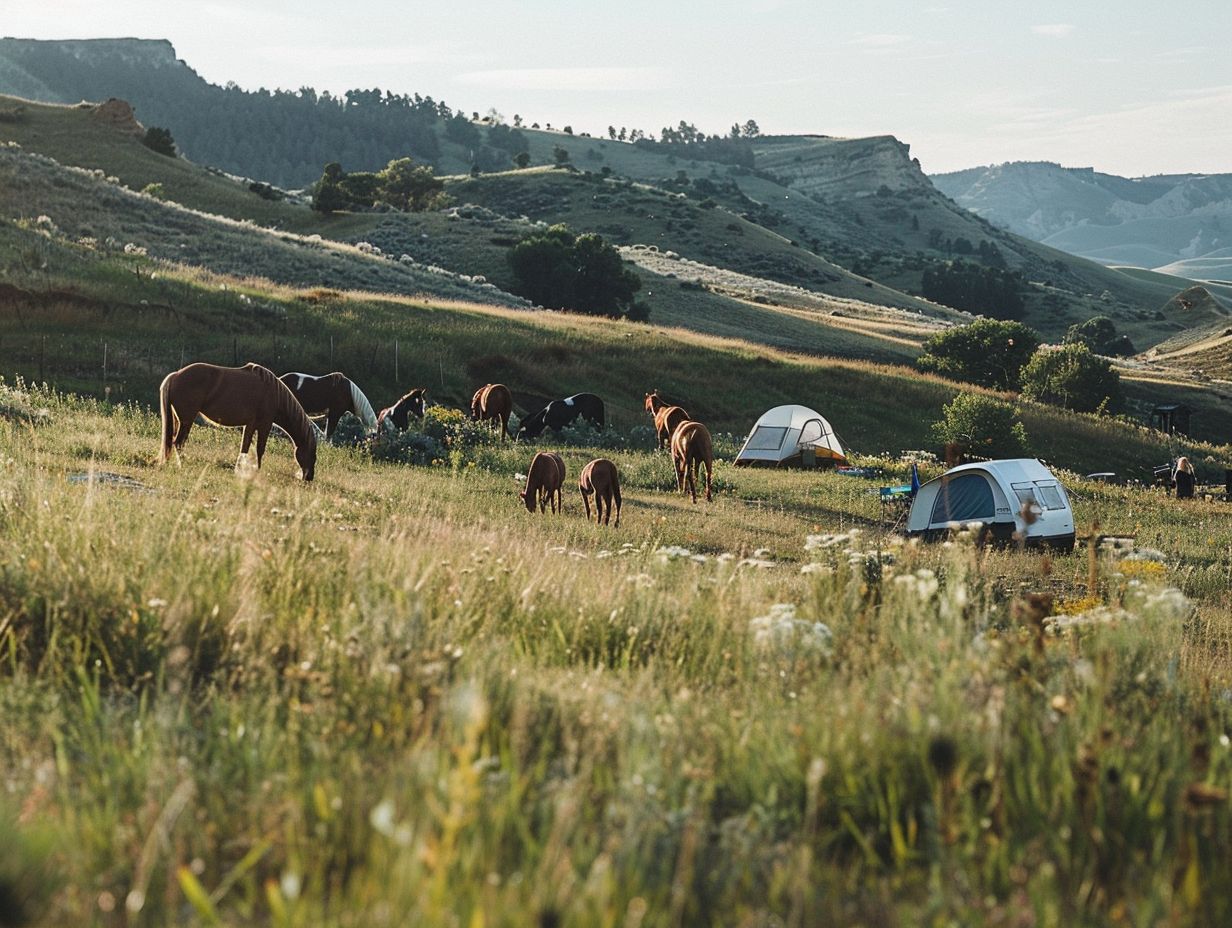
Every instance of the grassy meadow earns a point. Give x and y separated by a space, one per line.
393 696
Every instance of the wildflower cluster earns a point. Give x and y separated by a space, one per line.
781 632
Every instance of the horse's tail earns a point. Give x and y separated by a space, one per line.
164 409
361 407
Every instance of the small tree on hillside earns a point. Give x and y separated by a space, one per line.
1073 377
522 159
583 273
410 186
561 155
1100 335
159 140
329 196
987 352
982 426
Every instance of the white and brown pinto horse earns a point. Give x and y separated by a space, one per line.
250 396
545 482
330 396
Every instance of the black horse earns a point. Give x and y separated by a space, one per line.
397 416
559 413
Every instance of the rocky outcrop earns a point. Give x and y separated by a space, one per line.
833 167
119 115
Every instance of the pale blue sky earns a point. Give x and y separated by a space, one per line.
1127 86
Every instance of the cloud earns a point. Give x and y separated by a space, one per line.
1054 30
569 79
880 40
339 55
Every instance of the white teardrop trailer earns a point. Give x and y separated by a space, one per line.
1018 500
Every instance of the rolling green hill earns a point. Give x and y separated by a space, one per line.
860 204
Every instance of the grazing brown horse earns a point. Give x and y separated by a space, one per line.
666 416
600 478
495 402
249 396
398 416
545 481
691 447
332 396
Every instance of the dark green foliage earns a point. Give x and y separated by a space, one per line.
975 288
1099 334
159 140
409 186
279 136
560 155
402 184
686 141
987 352
507 140
461 130
329 196
1073 377
983 426
583 273
266 192
522 159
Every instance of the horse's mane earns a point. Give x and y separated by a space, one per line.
289 414
362 407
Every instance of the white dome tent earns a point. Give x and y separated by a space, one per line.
1014 499
785 433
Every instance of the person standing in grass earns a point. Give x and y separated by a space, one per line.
1183 479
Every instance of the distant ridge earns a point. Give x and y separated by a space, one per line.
1177 222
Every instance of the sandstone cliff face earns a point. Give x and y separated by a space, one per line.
832 167
119 115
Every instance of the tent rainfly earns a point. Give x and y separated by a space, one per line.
784 433
1016 497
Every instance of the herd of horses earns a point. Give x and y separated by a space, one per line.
253 398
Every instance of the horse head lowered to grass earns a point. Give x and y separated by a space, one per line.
560 413
250 397
545 480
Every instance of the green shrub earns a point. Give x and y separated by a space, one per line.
983 426
1073 377
583 273
988 352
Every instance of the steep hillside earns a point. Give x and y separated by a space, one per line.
83 207
281 137
862 204
866 205
1150 221
473 240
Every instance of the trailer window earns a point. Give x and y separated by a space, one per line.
965 498
1050 495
